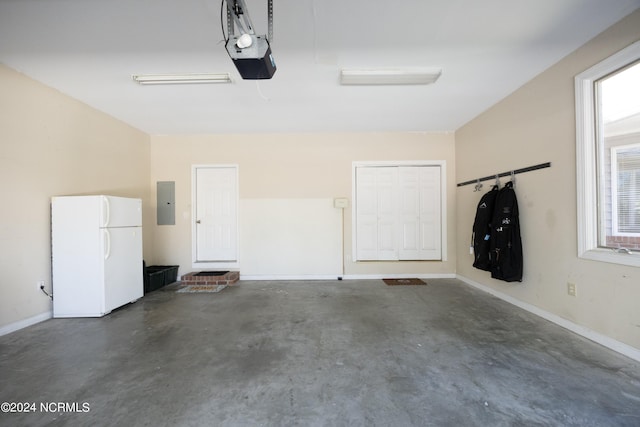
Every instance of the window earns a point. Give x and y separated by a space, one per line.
608 159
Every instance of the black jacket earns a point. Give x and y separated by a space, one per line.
481 234
505 242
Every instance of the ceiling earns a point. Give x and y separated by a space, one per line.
89 49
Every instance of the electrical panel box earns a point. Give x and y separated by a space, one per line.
166 198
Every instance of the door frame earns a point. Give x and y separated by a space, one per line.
212 264
443 198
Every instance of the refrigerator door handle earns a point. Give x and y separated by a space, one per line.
107 211
108 242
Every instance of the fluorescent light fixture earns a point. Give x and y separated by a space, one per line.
172 79
382 76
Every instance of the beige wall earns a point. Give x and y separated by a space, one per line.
292 166
52 145
537 124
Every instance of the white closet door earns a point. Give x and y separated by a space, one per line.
409 212
367 214
386 186
398 213
419 212
430 247
376 212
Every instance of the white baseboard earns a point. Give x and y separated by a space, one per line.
603 340
347 276
284 277
399 276
12 327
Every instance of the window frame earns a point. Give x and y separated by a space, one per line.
587 134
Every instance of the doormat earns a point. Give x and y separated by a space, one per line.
394 282
211 273
192 289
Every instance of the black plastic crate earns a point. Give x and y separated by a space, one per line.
153 280
157 276
170 274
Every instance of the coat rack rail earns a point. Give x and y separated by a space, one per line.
516 171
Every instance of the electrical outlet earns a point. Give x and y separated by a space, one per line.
40 284
572 289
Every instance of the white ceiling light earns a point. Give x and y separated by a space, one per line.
370 76
244 41
169 79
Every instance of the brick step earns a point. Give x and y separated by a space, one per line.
210 278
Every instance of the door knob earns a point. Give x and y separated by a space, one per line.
198 222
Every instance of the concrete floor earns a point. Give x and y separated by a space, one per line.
336 353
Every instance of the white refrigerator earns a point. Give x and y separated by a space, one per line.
96 254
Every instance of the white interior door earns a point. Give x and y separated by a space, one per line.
216 214
367 213
398 213
409 212
376 213
386 183
430 238
419 212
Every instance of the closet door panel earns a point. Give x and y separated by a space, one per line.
409 212
430 214
386 186
366 214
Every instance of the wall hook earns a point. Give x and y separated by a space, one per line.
478 185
